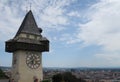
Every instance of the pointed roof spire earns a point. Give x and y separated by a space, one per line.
29 25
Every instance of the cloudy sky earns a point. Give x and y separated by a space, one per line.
82 33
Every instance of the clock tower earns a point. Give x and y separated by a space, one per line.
27 47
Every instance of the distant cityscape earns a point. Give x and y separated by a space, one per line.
88 74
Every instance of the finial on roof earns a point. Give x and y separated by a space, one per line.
28 5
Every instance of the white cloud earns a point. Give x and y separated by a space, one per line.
53 16
103 27
48 13
9 21
69 38
74 14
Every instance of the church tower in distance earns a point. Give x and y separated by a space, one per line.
27 47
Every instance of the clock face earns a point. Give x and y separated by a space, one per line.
33 60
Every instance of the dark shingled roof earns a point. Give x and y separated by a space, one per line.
29 25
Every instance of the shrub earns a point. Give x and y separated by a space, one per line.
46 81
66 77
2 75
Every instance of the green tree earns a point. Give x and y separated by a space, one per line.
46 81
57 78
66 77
2 75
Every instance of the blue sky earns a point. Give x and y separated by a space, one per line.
82 33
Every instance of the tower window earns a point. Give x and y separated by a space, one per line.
23 35
28 35
35 37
